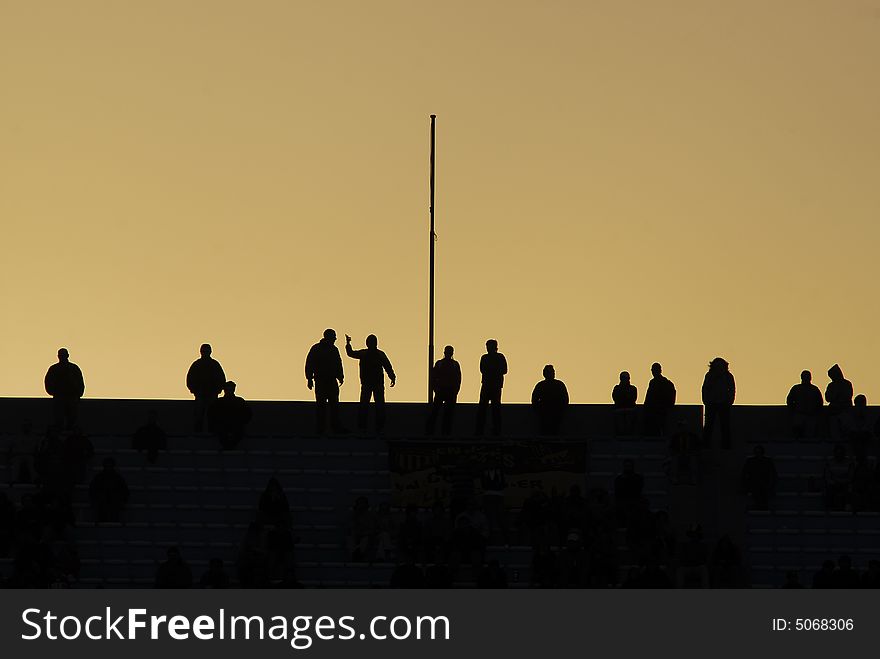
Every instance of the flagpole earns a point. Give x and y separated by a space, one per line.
431 290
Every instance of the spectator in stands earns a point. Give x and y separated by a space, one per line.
838 475
108 492
719 392
659 402
364 531
215 576
839 394
494 485
150 438
550 401
573 562
274 508
407 574
493 367
683 456
492 576
804 403
792 580
174 572
726 565
470 536
323 371
229 416
857 429
204 379
824 578
628 488
373 365
445 383
624 395
759 478
871 576
64 382
693 560
845 576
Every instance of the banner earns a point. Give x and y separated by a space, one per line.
425 472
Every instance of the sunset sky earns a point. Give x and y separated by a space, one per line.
619 182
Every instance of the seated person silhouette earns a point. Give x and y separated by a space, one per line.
108 492
323 371
445 383
493 367
550 401
64 382
804 403
759 479
204 379
229 415
373 365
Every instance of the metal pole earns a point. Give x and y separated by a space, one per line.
431 293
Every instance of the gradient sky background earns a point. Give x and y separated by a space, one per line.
619 182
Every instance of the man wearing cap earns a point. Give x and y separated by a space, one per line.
64 382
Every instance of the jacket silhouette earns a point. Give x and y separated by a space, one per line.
493 367
659 401
719 392
64 382
323 372
445 383
550 400
839 392
373 364
205 379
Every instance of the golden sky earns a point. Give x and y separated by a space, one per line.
619 182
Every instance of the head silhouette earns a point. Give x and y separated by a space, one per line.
63 355
330 335
656 369
624 377
372 341
835 373
205 350
860 401
448 352
549 372
718 364
491 345
229 388
806 377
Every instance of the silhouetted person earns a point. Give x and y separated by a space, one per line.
759 478
719 392
274 508
550 401
215 577
493 367
659 401
683 453
64 382
205 380
373 365
804 403
857 429
839 392
108 492
624 394
445 383
323 372
229 415
494 485
150 438
174 572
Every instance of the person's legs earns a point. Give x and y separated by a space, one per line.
364 406
433 411
709 424
496 412
448 413
481 411
320 408
333 404
379 397
201 410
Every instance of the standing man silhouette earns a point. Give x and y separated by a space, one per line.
373 366
659 401
323 371
205 380
64 382
550 400
493 367
445 383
